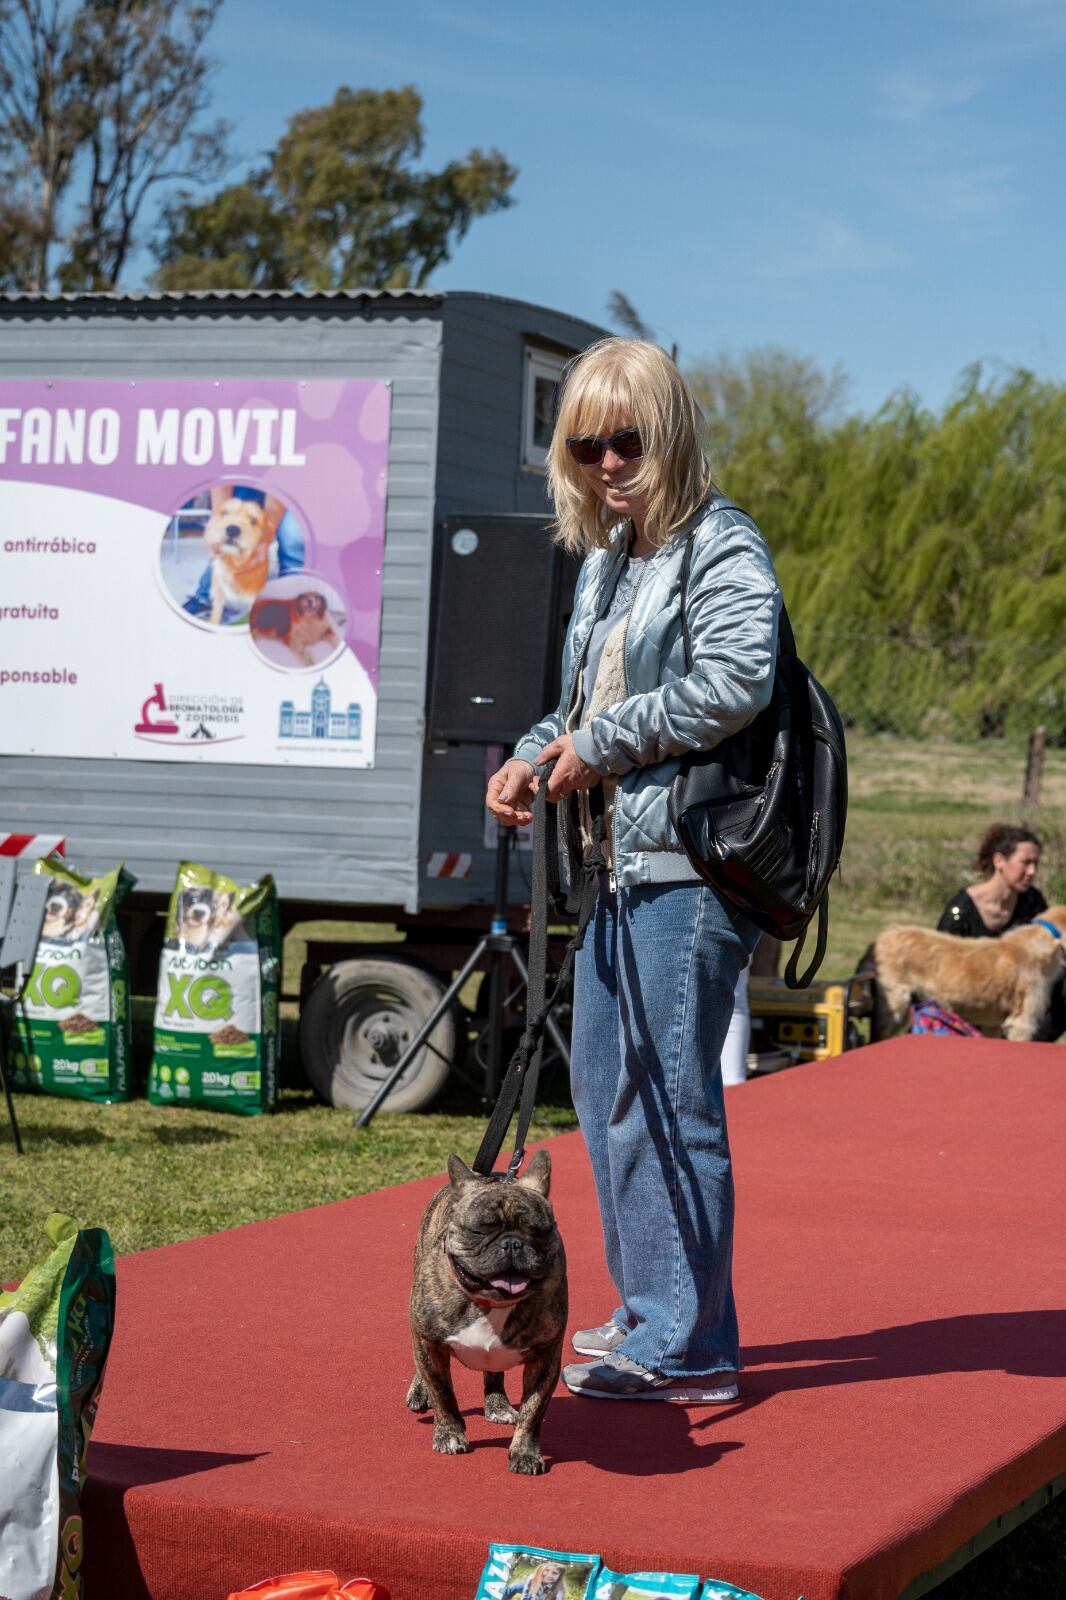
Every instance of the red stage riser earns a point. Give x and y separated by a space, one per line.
898 1269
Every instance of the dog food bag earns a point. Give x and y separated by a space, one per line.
718 1589
525 1572
216 1014
72 1027
55 1330
645 1585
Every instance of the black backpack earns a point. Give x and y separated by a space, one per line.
761 816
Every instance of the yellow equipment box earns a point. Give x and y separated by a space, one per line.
809 1024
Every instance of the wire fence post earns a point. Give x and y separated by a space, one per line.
1034 767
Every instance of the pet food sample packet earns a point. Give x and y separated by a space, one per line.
525 1572
645 1585
216 1013
718 1589
73 1024
55 1331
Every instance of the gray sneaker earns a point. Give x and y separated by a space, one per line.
618 1378
598 1341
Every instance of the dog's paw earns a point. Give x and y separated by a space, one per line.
450 1443
417 1395
527 1460
499 1409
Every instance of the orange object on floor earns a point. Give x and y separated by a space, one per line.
312 1586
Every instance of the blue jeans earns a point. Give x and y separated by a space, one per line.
653 995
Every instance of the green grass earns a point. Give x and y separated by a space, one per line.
916 812
153 1175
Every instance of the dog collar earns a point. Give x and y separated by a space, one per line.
1042 922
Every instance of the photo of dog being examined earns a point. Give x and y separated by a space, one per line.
1001 986
298 622
490 1292
207 918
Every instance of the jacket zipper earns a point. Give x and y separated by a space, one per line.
612 875
579 673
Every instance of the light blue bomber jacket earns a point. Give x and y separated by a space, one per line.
733 604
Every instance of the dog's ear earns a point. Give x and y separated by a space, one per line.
458 1172
538 1175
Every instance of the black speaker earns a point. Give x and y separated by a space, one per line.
502 598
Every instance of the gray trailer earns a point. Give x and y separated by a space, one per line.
474 601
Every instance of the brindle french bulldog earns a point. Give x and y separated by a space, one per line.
490 1290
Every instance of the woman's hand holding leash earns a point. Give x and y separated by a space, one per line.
570 772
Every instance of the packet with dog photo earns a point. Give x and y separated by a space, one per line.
525 1572
216 1015
72 1026
646 1585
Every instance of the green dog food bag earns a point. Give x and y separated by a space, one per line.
645 1585
216 1014
526 1572
55 1331
72 1027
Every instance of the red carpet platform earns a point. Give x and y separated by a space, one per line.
899 1275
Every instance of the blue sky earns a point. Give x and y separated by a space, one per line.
872 184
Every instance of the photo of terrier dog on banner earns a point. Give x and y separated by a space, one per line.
223 546
490 1291
238 535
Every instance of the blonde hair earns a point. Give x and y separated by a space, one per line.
628 381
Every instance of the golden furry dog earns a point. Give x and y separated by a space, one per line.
239 535
1000 985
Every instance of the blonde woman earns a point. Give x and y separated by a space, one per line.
655 979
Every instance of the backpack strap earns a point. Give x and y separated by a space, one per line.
792 977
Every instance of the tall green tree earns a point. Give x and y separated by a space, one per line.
101 101
340 203
922 555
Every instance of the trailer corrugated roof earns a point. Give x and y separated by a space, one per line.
13 302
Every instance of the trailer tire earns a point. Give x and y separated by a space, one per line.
356 1023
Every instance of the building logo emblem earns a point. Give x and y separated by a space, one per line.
321 721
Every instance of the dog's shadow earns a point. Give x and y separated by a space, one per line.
630 1437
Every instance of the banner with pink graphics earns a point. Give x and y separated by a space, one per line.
190 570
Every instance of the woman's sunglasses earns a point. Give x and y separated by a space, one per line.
588 451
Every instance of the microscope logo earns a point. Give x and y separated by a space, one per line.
189 719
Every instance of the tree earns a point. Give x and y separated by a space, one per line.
339 204
42 126
100 102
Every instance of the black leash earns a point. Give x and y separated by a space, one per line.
519 1086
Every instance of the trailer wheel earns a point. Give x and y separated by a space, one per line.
356 1023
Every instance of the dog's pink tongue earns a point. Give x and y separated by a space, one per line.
510 1285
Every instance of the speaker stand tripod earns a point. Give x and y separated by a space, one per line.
502 949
